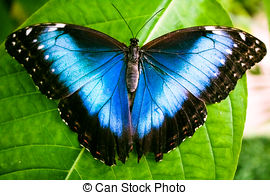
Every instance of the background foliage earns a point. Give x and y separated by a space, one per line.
267 10
254 159
35 143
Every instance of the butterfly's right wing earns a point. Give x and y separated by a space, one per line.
85 69
181 71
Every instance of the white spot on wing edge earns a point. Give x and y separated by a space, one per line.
210 28
60 25
40 47
215 30
257 49
52 29
219 32
222 61
243 36
228 51
28 31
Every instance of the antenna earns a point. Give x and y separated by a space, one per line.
124 20
149 21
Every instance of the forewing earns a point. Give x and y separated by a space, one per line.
61 57
207 60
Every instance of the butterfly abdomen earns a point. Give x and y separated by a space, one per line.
132 76
132 71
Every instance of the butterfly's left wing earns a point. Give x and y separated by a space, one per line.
180 72
85 69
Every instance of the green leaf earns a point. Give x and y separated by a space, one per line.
36 144
29 6
22 9
7 24
257 167
267 10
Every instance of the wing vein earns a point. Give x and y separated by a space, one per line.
174 73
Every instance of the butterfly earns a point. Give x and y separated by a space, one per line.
116 96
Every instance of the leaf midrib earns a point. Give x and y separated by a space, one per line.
73 167
38 145
32 169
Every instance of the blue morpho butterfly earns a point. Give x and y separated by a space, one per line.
115 95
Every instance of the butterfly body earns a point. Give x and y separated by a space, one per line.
114 96
132 70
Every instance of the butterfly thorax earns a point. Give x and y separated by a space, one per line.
132 71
